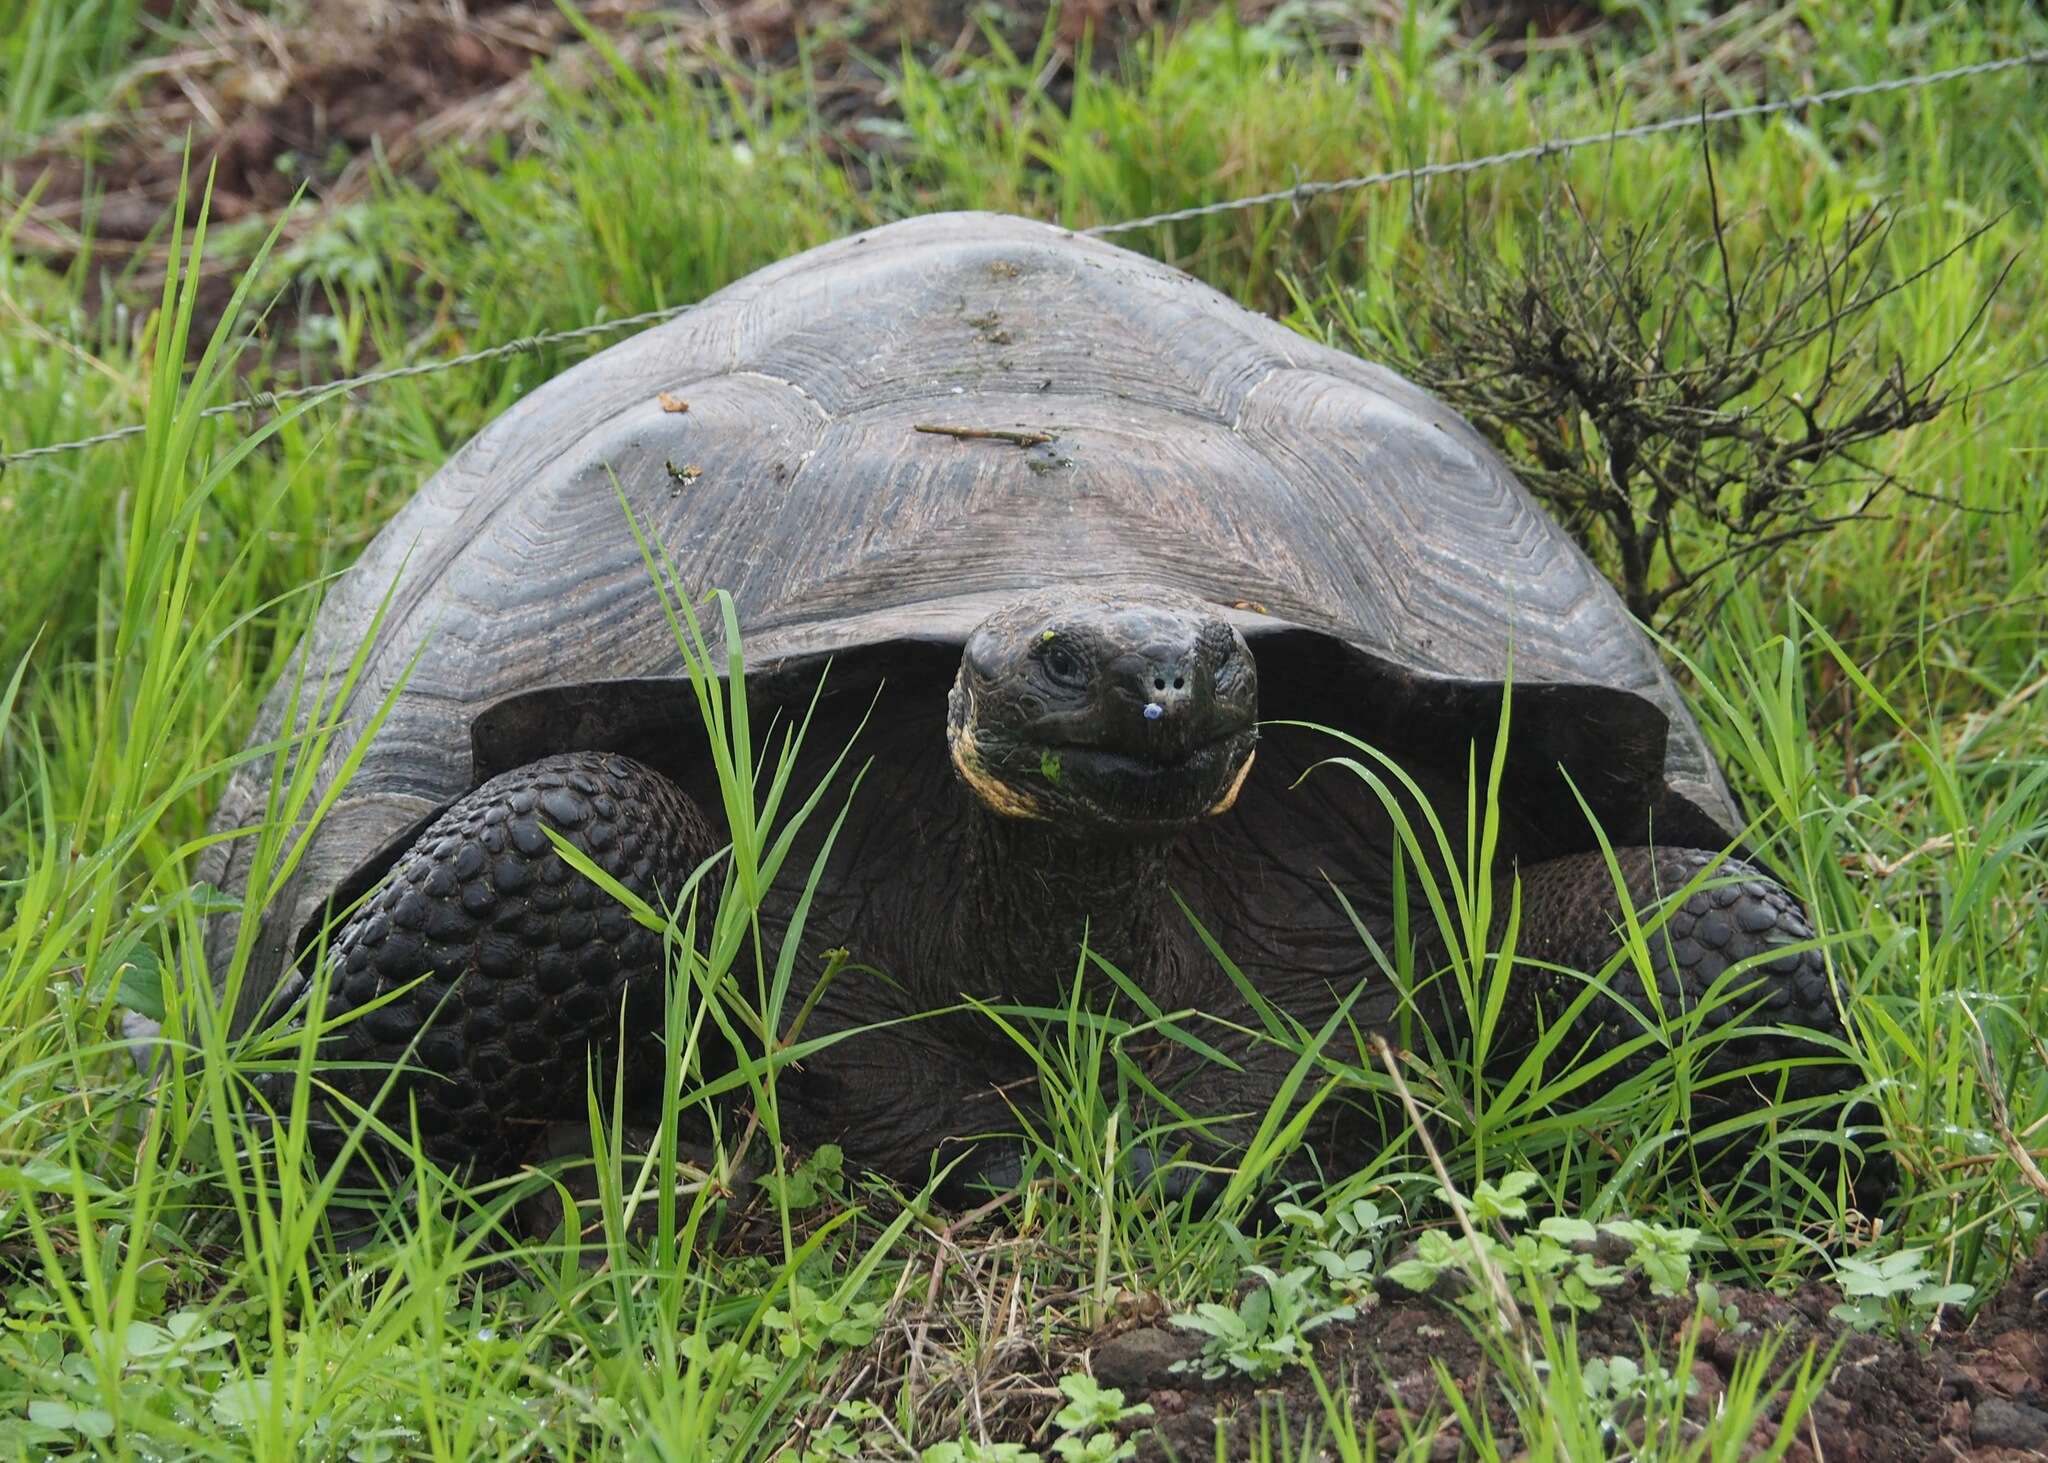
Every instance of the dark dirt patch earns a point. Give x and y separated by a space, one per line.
1976 1393
275 108
360 86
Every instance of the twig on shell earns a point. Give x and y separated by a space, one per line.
1015 436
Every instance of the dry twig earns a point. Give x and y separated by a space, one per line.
1016 437
2001 1114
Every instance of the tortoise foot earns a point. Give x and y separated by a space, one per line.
1737 950
506 969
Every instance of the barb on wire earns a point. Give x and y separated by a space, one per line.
1298 193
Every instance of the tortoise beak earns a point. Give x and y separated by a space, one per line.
1185 686
1169 699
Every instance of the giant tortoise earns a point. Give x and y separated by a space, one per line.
1075 544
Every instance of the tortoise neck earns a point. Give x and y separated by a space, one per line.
1032 891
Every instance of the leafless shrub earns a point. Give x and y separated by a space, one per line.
1679 403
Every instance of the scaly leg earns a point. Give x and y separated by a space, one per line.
527 964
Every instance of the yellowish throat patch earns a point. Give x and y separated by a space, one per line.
997 794
1244 770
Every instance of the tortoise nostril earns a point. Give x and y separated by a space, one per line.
1159 683
1180 683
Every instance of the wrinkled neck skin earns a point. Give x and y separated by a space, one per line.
1030 889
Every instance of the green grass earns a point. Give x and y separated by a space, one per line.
1878 699
59 58
53 54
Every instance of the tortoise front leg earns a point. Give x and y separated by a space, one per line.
528 966
1571 917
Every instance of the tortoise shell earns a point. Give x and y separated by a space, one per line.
1364 537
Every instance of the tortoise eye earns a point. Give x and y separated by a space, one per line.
1062 666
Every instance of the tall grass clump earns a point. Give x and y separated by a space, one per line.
57 57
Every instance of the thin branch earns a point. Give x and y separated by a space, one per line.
1016 437
1661 393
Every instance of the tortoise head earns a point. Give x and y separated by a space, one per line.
1135 710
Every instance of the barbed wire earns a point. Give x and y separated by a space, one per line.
1317 188
1559 146
269 400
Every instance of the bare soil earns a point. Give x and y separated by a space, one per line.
276 108
1974 1393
